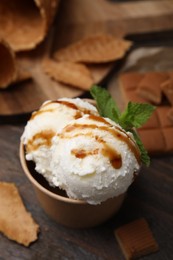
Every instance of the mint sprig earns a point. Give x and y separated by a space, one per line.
134 116
105 103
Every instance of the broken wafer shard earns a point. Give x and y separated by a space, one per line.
7 64
149 87
24 24
15 221
94 49
136 239
10 70
74 74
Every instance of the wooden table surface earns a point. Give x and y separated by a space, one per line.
150 196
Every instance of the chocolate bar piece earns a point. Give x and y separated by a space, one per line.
150 86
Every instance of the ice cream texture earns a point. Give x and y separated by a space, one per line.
102 159
43 126
90 157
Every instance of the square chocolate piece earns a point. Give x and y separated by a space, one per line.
163 115
153 140
150 86
167 88
130 80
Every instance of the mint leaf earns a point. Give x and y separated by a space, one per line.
145 159
105 104
136 114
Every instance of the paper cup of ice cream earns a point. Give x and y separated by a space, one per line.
80 164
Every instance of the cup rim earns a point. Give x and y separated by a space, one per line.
39 186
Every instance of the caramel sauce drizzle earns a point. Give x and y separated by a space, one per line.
45 139
107 151
121 135
81 153
79 113
39 112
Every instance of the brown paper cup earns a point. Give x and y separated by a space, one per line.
69 212
24 24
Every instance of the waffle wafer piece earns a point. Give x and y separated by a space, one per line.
15 222
22 75
94 49
21 31
7 64
167 88
150 86
136 239
74 74
10 70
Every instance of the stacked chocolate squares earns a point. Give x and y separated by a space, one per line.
155 88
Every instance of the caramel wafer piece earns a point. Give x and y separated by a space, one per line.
94 49
136 239
74 74
15 222
150 86
167 88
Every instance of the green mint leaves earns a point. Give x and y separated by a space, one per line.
134 116
105 104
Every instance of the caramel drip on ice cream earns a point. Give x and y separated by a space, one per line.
80 111
67 103
114 157
39 112
107 151
81 153
40 139
115 132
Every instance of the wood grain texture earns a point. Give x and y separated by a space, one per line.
121 18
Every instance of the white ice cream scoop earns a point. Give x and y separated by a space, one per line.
94 159
45 123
